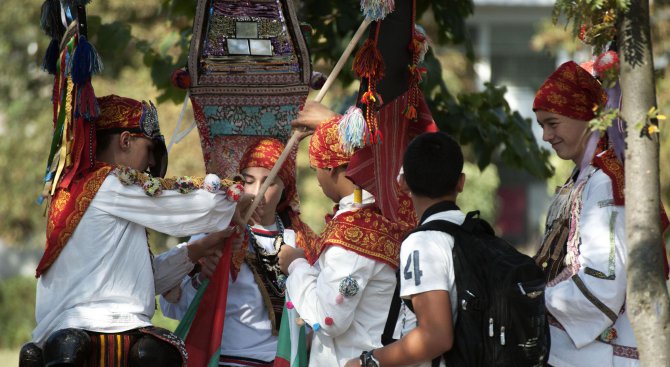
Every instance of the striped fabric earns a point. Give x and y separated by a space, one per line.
111 350
229 361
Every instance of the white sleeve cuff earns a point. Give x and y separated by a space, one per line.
296 263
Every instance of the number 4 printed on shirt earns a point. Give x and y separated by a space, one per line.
417 272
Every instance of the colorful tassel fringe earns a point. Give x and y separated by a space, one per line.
377 9
418 47
50 19
368 62
85 62
87 105
372 101
420 43
352 130
49 64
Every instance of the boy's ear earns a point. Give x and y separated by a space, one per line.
124 140
402 183
461 183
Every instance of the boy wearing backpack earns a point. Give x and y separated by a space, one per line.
426 267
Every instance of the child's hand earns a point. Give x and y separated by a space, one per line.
356 362
209 245
312 114
287 255
243 206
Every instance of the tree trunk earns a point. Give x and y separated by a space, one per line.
647 301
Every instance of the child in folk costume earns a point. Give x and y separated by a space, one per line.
345 291
584 252
256 294
97 280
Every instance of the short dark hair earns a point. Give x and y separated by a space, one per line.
432 165
103 141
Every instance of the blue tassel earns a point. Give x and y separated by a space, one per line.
50 20
51 57
85 62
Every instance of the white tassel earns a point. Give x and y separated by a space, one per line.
352 130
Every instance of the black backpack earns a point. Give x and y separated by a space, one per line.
501 317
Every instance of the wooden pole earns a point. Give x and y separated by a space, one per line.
295 136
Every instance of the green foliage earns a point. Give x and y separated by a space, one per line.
24 113
485 121
594 21
604 119
480 191
17 311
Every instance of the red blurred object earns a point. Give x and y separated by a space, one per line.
181 79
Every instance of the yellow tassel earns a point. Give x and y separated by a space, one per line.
358 196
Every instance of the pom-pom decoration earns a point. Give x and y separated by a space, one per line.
317 80
234 192
181 79
606 67
212 183
152 187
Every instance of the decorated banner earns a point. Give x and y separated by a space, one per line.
390 98
249 69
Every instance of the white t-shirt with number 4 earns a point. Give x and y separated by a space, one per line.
426 263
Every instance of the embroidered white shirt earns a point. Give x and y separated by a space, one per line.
602 273
102 280
358 322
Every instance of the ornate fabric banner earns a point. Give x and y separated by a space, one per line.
249 69
376 166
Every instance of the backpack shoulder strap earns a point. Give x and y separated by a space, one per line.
440 225
394 312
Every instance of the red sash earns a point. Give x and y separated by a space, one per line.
366 232
66 210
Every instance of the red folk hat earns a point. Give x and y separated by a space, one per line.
571 91
119 114
325 148
265 153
